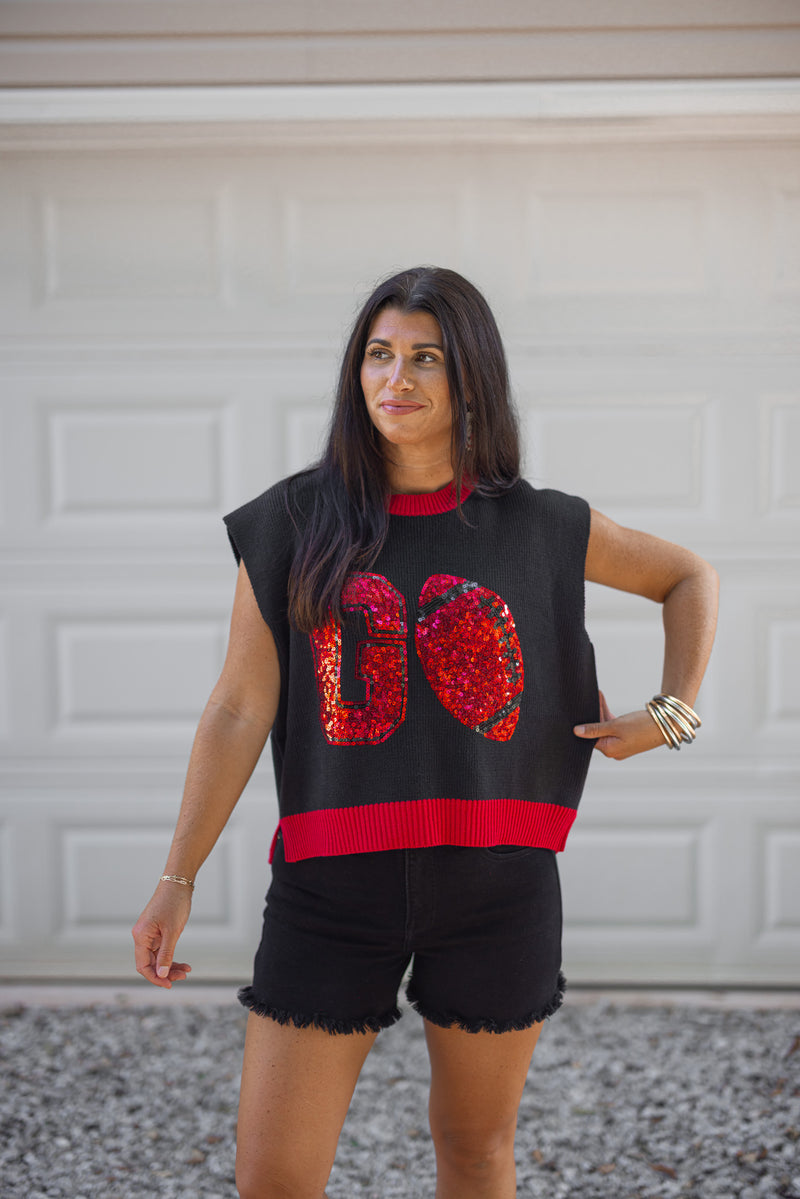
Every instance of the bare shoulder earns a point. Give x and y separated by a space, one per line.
631 560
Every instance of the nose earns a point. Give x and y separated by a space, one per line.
397 378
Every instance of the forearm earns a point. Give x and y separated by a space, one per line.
690 619
226 748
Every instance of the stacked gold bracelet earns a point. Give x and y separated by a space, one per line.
177 878
675 719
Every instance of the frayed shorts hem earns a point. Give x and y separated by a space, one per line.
452 1020
248 998
330 1024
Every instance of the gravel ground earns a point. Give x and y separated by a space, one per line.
623 1102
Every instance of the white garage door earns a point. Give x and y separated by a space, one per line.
173 305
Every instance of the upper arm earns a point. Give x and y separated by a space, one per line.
250 682
637 562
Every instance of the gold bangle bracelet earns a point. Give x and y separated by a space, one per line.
177 878
675 737
680 706
679 722
682 718
671 738
676 720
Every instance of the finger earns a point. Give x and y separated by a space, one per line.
147 969
178 971
146 951
145 958
164 959
593 730
605 711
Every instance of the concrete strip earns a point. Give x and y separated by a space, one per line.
51 995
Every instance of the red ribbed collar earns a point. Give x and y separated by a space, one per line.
429 503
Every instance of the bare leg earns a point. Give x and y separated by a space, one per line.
476 1085
297 1084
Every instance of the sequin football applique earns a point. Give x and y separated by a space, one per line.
381 663
468 645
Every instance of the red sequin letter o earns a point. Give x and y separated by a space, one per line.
381 662
470 652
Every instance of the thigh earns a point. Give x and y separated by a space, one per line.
297 1084
477 1081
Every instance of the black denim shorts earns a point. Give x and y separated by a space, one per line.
481 928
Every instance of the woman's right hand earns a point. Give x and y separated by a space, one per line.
156 932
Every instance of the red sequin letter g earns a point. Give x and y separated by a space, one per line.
381 661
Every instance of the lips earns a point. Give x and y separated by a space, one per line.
398 407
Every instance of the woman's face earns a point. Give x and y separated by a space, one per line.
404 381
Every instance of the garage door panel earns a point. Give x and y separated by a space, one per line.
5 679
120 246
83 861
146 457
137 459
8 930
734 913
110 248
780 883
778 671
133 677
111 672
779 476
626 878
756 661
697 448
647 878
333 237
102 870
6 425
673 434
616 243
304 432
781 260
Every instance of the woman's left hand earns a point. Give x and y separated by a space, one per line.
622 736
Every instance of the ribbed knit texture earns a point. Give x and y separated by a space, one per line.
419 822
427 503
375 743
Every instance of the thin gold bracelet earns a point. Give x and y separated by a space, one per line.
177 878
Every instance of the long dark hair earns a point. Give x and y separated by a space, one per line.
349 520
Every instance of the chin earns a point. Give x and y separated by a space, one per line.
397 436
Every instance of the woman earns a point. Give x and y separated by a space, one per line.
408 622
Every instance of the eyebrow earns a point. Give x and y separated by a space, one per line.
418 345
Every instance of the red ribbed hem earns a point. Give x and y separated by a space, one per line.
414 824
428 503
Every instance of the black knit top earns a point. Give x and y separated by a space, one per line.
442 713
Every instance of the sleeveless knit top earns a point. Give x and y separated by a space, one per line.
442 712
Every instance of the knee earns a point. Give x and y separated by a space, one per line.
253 1185
475 1152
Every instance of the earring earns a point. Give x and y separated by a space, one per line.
469 429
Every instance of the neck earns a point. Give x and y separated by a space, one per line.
407 474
